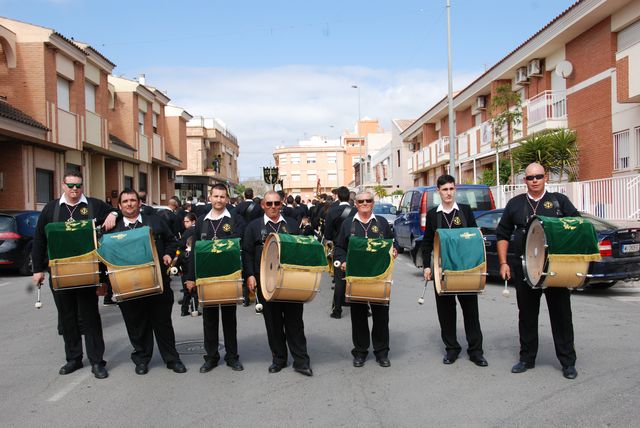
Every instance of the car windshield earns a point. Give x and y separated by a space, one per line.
7 224
599 224
489 220
382 209
477 198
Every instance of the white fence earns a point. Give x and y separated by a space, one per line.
616 198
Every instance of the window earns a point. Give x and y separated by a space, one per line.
282 159
332 158
44 186
155 123
90 96
355 160
63 93
295 178
141 121
311 158
477 119
142 180
128 182
312 177
405 203
295 158
638 146
621 150
398 154
332 177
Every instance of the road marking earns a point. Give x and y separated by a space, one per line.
627 298
2 284
68 388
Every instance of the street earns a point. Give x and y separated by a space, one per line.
417 390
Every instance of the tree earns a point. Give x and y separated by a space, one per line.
535 148
398 192
488 176
506 112
240 188
380 191
564 151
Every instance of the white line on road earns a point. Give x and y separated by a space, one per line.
626 298
68 388
2 284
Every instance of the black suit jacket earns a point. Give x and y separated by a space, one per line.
253 240
335 218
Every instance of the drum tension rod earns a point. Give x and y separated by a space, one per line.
548 273
587 275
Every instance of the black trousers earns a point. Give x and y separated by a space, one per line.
338 290
83 303
360 330
146 317
284 324
210 322
559 305
446 306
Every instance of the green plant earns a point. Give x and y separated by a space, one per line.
488 176
506 112
398 192
380 191
535 148
564 151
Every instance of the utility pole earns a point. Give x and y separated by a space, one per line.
360 163
452 126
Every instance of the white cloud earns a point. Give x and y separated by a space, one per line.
269 107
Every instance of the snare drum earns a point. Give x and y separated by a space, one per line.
459 261
291 268
369 269
132 263
218 272
72 254
557 251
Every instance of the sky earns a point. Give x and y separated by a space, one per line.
276 72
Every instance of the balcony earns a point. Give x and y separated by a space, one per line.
143 148
547 110
94 129
67 129
157 147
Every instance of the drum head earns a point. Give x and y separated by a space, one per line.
535 254
269 266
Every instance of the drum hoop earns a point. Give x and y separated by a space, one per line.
545 266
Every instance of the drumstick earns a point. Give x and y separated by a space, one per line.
505 292
194 311
259 306
421 298
38 302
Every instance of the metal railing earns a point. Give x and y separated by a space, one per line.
547 105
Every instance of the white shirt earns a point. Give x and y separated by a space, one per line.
127 222
211 216
453 207
267 219
357 217
343 203
63 200
536 199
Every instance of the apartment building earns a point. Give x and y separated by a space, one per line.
390 162
61 109
212 157
581 71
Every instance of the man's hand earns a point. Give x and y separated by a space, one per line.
38 278
505 271
109 222
190 285
427 274
395 252
166 259
343 267
251 283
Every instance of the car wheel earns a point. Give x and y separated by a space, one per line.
27 265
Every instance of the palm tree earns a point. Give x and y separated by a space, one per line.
564 152
535 148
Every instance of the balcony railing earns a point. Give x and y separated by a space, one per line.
67 129
547 110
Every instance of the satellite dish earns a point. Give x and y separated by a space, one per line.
564 69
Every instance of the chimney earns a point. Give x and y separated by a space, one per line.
141 79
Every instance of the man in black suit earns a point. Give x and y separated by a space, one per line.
335 217
249 209
450 214
365 224
283 320
149 316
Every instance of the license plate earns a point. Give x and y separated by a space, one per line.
630 248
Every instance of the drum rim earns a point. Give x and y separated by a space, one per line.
545 266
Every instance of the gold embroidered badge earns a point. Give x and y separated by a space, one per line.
548 204
84 211
375 229
226 227
457 221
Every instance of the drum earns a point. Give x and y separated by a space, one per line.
218 272
72 254
369 269
291 268
459 261
132 263
328 250
557 251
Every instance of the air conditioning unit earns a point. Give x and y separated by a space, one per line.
413 147
172 174
521 76
481 102
534 69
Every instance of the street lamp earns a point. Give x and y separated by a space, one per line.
270 174
358 132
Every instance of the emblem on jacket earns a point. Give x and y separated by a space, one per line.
226 227
375 229
84 211
548 205
457 221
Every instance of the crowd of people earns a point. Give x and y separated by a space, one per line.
336 218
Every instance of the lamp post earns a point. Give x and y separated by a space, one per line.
358 132
270 175
452 126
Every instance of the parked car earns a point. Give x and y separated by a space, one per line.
619 248
386 210
17 229
411 219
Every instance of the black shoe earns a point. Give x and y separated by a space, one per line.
184 312
358 361
177 366
99 371
142 369
383 362
208 366
180 300
70 367
275 368
522 367
335 314
449 358
235 365
569 372
306 370
108 301
479 360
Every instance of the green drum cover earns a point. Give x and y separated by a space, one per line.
298 250
368 257
461 249
69 239
570 235
218 257
127 248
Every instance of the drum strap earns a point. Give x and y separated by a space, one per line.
56 210
204 230
249 209
554 201
345 212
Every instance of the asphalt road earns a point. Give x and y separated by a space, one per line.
417 390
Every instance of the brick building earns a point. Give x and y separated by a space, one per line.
581 71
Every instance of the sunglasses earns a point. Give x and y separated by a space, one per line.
72 185
364 201
273 203
534 177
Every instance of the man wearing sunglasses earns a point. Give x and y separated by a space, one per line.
365 224
74 303
537 201
283 320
